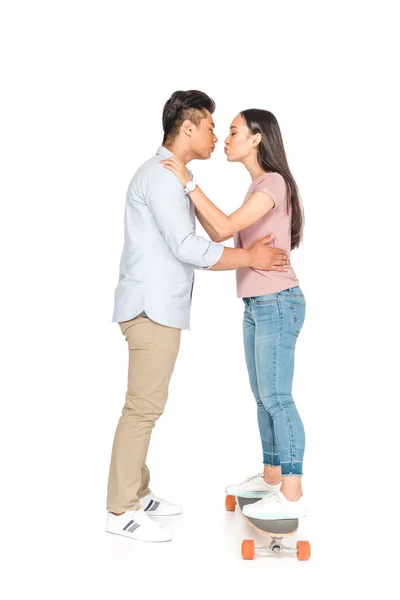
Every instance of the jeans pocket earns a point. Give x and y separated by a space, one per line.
263 301
298 311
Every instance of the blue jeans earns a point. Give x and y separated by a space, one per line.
271 326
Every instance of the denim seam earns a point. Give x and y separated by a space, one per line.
295 319
288 424
250 321
269 418
247 310
276 357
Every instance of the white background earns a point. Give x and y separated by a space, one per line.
84 84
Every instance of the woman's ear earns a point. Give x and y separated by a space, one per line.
256 139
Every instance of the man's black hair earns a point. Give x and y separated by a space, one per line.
185 105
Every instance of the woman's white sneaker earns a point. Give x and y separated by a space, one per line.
153 505
276 506
137 525
252 487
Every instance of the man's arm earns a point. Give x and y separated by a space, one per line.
260 256
170 208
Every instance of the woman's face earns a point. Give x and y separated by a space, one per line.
240 143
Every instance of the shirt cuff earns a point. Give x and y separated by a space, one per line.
213 254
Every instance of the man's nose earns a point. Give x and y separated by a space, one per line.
215 139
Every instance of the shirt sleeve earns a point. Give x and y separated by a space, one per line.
272 184
170 208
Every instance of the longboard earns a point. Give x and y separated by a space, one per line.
276 529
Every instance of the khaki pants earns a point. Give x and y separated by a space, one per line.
153 349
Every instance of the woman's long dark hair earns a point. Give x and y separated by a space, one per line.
272 158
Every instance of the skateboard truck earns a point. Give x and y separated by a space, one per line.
249 549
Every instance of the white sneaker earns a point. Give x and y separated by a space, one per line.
158 507
274 507
137 525
252 487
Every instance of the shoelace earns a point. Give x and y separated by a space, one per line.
273 497
254 477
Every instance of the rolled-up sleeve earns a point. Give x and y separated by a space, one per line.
170 208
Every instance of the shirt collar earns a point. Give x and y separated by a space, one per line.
164 152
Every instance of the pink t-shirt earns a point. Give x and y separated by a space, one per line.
252 282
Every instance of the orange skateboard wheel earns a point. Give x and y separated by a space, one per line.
304 550
230 503
248 550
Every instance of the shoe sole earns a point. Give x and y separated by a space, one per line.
274 517
156 514
242 494
131 537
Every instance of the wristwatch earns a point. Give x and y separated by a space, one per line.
190 187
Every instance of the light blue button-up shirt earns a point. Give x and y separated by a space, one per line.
161 248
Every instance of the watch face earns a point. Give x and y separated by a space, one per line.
191 186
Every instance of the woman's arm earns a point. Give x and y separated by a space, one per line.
224 226
208 228
212 218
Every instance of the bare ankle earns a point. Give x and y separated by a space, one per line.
272 475
118 514
292 497
270 481
291 488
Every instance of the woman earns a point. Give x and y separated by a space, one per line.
274 305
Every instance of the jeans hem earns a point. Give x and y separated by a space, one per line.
295 468
268 463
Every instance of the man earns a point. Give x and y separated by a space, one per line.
152 303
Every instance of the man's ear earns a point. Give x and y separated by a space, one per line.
187 127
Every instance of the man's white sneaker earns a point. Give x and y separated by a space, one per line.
158 507
137 525
252 487
276 506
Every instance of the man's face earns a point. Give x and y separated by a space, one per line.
203 139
